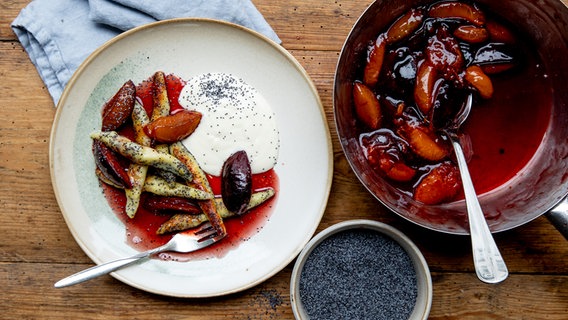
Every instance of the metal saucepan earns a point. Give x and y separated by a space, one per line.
541 187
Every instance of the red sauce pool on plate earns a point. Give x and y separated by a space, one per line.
141 230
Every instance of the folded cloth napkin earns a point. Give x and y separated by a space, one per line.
59 35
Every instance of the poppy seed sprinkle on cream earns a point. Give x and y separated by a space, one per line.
235 117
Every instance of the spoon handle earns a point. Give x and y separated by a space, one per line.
489 264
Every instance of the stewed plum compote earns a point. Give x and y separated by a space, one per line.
418 74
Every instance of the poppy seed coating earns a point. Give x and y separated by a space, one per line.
358 274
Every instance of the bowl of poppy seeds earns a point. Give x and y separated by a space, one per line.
361 269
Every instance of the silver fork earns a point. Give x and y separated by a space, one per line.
183 242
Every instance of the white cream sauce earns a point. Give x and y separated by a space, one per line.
235 117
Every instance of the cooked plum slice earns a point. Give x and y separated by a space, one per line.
457 10
162 203
375 61
424 88
444 54
405 25
111 165
367 105
475 76
385 153
119 108
236 182
471 34
441 184
174 127
424 142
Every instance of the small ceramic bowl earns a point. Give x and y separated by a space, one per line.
361 268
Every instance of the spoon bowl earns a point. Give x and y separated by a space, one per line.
461 116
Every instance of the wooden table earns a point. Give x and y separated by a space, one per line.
36 247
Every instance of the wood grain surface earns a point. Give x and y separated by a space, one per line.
36 247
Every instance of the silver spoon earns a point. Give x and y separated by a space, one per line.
489 264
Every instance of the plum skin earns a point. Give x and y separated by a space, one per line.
236 182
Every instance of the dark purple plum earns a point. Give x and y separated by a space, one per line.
236 182
111 165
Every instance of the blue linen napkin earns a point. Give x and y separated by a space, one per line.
59 35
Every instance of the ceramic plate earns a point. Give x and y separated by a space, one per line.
188 47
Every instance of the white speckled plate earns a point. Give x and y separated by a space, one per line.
188 47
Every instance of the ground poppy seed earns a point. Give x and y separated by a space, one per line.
358 274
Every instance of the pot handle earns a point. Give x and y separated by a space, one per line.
558 216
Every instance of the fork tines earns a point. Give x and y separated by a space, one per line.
206 232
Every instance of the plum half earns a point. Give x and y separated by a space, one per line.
236 182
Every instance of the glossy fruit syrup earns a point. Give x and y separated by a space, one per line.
506 130
430 59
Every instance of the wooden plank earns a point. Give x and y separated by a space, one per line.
9 10
27 292
519 297
312 25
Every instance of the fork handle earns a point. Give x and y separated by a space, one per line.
99 270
